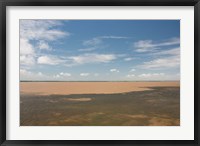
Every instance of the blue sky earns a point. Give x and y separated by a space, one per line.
100 50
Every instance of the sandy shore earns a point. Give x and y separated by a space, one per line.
67 88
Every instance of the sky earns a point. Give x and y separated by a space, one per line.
99 50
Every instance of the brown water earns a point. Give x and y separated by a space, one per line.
67 88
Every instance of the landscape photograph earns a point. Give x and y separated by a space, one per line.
99 72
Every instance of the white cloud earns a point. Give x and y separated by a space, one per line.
24 72
62 75
49 60
92 42
65 74
166 59
28 75
96 74
156 77
27 53
132 70
128 59
114 70
25 47
98 40
160 63
92 58
27 60
174 51
40 74
130 75
84 74
149 45
37 23
43 45
76 60
112 37
56 76
41 30
150 75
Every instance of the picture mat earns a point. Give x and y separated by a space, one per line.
184 132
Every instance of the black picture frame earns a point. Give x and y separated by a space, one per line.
5 3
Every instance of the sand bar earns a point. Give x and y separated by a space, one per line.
67 88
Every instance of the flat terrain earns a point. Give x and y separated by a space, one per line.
100 104
66 88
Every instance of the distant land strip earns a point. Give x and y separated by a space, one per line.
67 88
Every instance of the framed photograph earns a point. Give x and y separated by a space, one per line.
99 72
